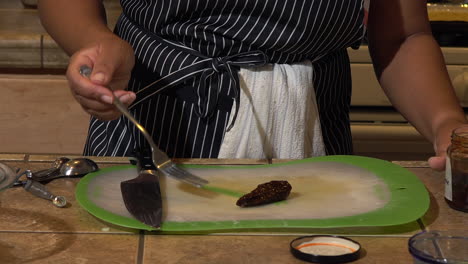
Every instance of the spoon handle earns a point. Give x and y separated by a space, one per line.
43 173
48 174
44 177
41 191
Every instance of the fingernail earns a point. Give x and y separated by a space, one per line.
98 77
106 99
127 98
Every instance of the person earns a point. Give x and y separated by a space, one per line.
248 79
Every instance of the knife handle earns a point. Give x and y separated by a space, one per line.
144 160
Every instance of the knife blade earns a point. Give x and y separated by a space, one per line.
142 195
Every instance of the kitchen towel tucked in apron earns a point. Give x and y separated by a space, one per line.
278 117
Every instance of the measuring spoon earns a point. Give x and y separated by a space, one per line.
72 168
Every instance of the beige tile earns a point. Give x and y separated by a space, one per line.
49 158
53 57
100 160
217 249
38 162
20 50
377 250
22 211
440 216
39 115
67 248
24 43
12 156
20 21
257 249
412 164
433 180
26 21
16 165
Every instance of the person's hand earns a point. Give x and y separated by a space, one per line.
441 142
437 162
112 60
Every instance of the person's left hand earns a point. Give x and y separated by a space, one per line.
441 142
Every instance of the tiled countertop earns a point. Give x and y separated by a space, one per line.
34 231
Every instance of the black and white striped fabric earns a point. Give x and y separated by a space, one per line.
188 53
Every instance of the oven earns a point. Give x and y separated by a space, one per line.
378 129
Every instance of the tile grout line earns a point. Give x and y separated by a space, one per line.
141 247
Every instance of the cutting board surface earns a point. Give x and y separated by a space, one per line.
326 192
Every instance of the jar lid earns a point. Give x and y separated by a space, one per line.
325 249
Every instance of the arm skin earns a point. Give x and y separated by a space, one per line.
411 70
74 24
79 27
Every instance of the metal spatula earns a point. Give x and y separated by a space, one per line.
142 195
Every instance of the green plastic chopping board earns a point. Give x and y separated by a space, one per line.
329 191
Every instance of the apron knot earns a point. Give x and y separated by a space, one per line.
212 78
210 83
218 64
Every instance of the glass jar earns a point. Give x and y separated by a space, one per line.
456 174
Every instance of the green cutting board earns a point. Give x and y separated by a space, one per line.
327 192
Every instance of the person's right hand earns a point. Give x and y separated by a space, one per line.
112 60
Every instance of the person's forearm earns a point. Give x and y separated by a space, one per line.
73 24
417 83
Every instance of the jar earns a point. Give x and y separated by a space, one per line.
456 174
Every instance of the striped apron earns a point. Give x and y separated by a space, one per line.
191 52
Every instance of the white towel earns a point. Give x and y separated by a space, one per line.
278 115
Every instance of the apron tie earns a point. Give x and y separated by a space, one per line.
210 71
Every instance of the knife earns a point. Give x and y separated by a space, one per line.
142 195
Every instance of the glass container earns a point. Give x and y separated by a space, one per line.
456 175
